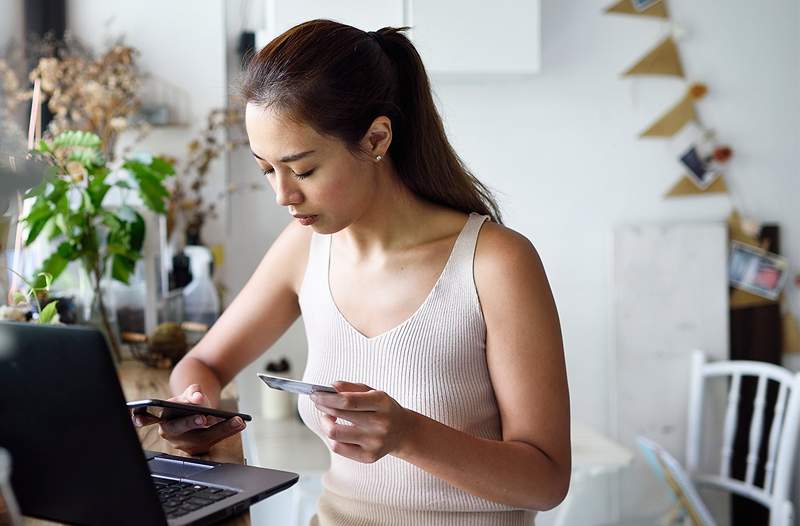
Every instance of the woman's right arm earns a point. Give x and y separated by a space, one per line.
260 314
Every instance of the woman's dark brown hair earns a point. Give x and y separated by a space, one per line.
338 79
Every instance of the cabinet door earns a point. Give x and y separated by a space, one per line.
476 36
367 15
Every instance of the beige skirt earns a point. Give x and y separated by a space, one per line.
335 510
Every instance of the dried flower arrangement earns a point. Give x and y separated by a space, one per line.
84 92
188 207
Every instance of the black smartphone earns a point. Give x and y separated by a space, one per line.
166 410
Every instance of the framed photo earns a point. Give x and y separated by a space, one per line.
701 169
641 5
757 271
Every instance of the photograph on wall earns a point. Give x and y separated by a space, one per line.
641 5
702 170
757 271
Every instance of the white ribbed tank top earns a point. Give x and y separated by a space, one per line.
433 363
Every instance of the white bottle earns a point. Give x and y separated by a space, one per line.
201 302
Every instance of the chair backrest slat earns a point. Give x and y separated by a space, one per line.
756 430
730 425
774 433
695 412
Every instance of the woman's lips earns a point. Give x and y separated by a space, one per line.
306 220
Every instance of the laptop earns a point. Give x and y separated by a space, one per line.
76 456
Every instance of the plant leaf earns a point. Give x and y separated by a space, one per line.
151 189
19 297
48 312
86 156
48 280
53 266
36 228
43 147
76 138
122 267
161 166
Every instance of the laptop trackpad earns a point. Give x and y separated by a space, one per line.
175 468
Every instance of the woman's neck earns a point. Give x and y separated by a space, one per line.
395 219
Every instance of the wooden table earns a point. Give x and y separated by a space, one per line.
139 382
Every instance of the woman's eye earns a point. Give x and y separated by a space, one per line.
268 172
304 175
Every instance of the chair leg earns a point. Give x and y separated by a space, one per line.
676 515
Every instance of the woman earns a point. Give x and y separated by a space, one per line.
437 328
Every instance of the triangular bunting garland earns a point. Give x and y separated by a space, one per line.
686 187
625 7
661 60
672 121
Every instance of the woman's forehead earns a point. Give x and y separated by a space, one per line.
273 135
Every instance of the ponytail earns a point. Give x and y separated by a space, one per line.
338 79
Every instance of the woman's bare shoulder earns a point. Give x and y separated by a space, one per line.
506 261
292 248
500 247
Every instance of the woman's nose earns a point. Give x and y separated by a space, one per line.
285 192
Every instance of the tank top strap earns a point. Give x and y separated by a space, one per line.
463 257
316 275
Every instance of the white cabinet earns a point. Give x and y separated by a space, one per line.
454 37
367 15
476 36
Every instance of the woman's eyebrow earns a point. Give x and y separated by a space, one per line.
288 158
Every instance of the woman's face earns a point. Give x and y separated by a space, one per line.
311 174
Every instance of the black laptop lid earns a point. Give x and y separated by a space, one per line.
76 456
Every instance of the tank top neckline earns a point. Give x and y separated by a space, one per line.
369 339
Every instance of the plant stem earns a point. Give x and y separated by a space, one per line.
112 338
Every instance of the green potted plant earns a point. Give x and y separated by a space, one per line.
71 208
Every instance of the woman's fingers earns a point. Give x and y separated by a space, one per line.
343 386
199 441
359 418
179 426
194 434
143 418
349 401
191 395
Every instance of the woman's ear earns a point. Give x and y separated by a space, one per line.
378 137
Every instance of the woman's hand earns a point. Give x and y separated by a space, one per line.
380 425
192 434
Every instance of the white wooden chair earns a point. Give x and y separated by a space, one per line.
775 492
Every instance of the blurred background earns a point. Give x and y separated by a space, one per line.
634 143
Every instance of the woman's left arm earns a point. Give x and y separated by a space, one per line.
530 467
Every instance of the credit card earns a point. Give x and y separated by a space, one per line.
293 386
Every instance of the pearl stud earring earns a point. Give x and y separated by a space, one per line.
378 157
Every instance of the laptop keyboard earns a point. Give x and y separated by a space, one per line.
180 498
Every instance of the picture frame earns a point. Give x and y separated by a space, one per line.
757 271
700 170
642 5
